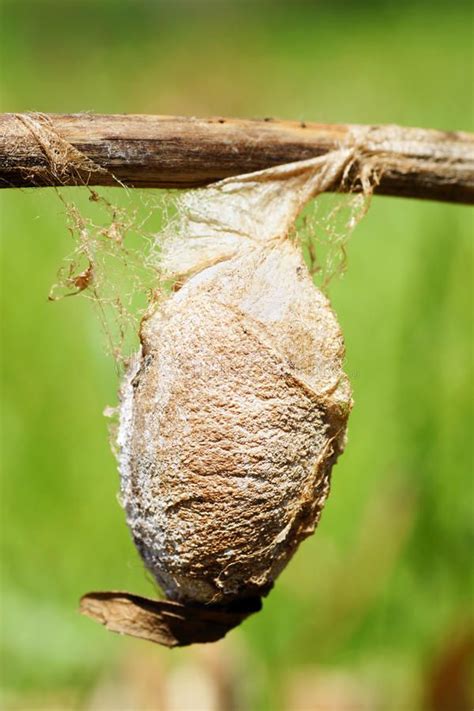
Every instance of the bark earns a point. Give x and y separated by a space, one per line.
147 151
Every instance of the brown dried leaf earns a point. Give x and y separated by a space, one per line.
83 280
163 621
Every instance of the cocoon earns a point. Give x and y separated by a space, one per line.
235 409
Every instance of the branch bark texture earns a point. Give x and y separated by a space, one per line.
145 151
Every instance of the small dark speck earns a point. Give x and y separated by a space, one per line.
221 120
268 118
302 124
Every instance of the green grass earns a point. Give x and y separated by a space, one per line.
384 582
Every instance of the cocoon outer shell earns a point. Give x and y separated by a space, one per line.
235 410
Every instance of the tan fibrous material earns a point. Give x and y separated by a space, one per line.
235 409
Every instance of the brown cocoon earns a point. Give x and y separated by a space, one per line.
232 416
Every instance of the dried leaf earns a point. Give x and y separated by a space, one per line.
163 621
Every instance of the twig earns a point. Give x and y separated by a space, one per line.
172 152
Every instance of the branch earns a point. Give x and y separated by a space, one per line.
172 152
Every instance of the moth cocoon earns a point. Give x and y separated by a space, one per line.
235 409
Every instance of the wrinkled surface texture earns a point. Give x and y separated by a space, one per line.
232 416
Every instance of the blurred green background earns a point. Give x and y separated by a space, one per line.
375 610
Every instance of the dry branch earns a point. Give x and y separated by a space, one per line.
173 152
